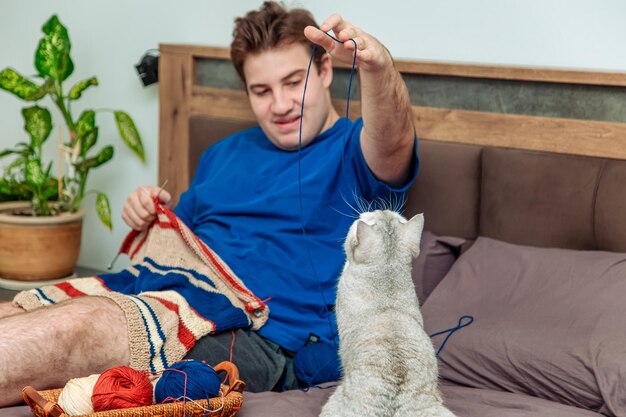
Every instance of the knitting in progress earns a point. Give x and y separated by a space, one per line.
177 291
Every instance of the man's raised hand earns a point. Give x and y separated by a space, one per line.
371 54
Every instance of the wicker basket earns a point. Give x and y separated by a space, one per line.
44 403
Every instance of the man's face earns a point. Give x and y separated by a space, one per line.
275 82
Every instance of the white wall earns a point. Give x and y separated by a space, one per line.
109 36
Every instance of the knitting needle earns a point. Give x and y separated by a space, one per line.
161 188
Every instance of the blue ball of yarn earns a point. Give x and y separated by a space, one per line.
317 363
202 382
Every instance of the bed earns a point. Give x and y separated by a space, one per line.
523 186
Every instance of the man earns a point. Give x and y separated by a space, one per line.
244 203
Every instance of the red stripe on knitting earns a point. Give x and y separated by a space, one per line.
139 246
207 252
184 334
132 236
69 289
128 241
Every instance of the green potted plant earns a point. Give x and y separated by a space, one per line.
49 199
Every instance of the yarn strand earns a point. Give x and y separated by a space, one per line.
302 226
452 330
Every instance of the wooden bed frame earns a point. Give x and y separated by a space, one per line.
594 126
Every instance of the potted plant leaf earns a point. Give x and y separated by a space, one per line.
41 216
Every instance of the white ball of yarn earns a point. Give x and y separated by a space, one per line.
75 399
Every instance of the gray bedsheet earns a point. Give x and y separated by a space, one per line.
472 402
464 402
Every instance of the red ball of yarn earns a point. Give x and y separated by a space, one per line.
121 387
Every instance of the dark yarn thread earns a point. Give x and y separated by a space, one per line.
453 330
306 81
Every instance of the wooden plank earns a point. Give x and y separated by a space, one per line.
201 51
175 84
233 104
568 136
518 73
217 102
455 69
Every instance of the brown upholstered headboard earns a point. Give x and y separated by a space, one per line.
526 155
523 197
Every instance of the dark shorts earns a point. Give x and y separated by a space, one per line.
262 364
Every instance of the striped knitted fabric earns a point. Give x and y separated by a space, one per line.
176 291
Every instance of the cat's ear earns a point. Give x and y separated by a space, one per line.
414 228
363 230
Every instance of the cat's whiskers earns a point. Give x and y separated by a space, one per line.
344 214
399 203
349 205
394 204
359 201
383 204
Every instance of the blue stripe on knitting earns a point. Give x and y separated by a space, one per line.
122 282
214 306
208 302
145 323
159 330
168 269
42 295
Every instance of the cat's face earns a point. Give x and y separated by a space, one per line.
383 234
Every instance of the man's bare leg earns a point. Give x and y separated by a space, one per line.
47 347
8 309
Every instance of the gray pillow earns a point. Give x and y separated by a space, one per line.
548 323
437 254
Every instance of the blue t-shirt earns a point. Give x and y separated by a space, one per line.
244 203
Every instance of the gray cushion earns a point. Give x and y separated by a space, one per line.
437 255
548 323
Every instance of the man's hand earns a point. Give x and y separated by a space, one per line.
388 136
371 55
139 210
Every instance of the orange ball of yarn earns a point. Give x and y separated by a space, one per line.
121 387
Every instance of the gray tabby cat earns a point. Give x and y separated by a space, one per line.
389 364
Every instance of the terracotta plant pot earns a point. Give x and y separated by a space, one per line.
38 248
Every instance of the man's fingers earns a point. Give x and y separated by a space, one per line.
146 202
164 196
365 55
139 223
139 205
139 210
334 22
360 43
132 220
348 33
318 37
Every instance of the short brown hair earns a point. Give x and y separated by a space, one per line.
269 27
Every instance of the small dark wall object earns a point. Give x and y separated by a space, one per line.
148 69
